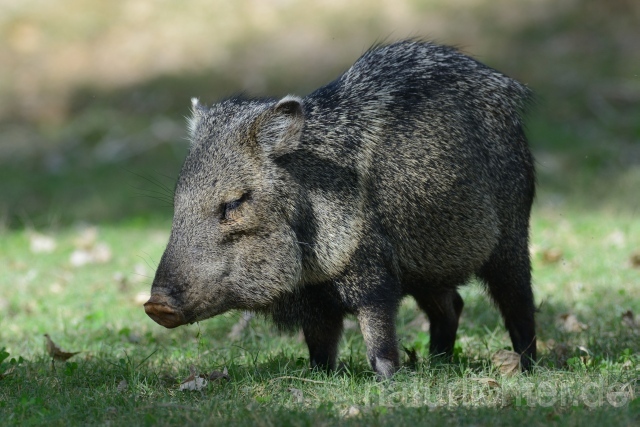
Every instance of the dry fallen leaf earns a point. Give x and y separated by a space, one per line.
351 412
629 319
99 254
552 255
297 394
80 257
194 382
39 243
55 352
217 375
570 323
507 362
7 372
584 350
87 238
635 259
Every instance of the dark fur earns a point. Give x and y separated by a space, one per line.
405 176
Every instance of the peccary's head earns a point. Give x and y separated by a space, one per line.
231 245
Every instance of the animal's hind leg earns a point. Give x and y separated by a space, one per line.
443 309
508 277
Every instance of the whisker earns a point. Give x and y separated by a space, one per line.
147 262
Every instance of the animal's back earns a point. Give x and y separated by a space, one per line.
437 142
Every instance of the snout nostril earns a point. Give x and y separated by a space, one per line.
161 311
157 309
158 299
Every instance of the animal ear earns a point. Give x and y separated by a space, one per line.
197 113
281 126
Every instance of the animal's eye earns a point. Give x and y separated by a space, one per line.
229 209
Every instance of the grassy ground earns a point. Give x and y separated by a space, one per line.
587 373
90 147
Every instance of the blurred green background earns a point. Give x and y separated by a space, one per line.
93 94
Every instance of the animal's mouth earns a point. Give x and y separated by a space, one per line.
163 312
160 309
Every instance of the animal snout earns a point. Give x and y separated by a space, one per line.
160 309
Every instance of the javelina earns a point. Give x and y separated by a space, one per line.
405 176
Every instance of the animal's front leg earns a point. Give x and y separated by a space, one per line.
377 324
370 289
322 317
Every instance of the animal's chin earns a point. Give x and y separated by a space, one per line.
205 313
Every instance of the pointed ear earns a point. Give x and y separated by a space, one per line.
280 127
197 112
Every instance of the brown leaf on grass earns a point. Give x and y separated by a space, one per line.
194 382
570 323
551 255
586 357
635 259
55 352
7 372
629 320
583 349
217 375
507 362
